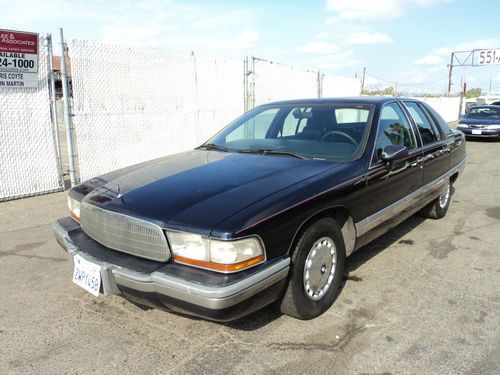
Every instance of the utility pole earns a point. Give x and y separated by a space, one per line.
363 81
489 91
462 95
450 65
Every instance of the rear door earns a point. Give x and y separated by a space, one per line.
454 138
435 146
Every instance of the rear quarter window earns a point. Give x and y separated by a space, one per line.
428 129
437 119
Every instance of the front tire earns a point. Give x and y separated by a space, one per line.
317 268
438 208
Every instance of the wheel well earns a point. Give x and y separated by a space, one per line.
343 218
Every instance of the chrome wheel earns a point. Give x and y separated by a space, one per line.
319 268
445 196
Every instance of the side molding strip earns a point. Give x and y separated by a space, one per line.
372 221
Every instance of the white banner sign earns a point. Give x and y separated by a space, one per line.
487 56
18 59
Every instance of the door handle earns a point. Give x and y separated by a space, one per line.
416 162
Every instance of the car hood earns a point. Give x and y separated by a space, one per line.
196 190
479 121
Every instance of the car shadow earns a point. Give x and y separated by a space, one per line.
482 140
367 252
270 313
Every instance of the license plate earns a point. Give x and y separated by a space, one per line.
87 275
476 132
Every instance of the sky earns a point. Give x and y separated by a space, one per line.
407 42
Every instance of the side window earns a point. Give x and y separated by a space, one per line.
427 129
255 128
295 121
393 129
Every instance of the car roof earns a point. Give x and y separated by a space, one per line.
484 106
347 99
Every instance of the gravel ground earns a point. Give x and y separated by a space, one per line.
423 299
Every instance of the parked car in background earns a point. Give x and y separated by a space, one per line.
481 121
265 211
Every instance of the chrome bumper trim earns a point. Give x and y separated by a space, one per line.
210 297
109 286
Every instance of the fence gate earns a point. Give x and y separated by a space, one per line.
28 156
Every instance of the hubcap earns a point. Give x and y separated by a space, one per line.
319 268
443 198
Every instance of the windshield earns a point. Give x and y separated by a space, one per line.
491 113
318 131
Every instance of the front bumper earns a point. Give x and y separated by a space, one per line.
485 133
175 287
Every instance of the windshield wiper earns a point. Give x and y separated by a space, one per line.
270 152
212 146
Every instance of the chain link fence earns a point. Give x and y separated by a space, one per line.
335 86
132 105
29 164
271 81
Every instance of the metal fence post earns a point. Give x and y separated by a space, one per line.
245 84
252 84
249 83
55 121
67 111
320 84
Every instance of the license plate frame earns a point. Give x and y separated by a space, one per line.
87 275
477 132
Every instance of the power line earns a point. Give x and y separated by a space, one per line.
405 84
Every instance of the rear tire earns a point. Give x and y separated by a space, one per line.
316 273
438 207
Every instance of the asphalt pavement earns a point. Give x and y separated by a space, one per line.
422 299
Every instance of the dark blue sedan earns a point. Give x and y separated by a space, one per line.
481 121
266 211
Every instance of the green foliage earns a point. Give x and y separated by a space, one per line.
473 93
384 91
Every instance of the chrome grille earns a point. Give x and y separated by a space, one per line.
124 233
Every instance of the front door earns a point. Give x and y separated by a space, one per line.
386 190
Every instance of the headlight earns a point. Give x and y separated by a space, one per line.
216 255
493 127
74 208
462 126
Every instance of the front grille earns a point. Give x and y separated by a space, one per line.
124 233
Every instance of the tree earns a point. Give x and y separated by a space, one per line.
473 93
385 91
389 91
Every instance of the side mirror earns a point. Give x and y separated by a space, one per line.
393 153
461 116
